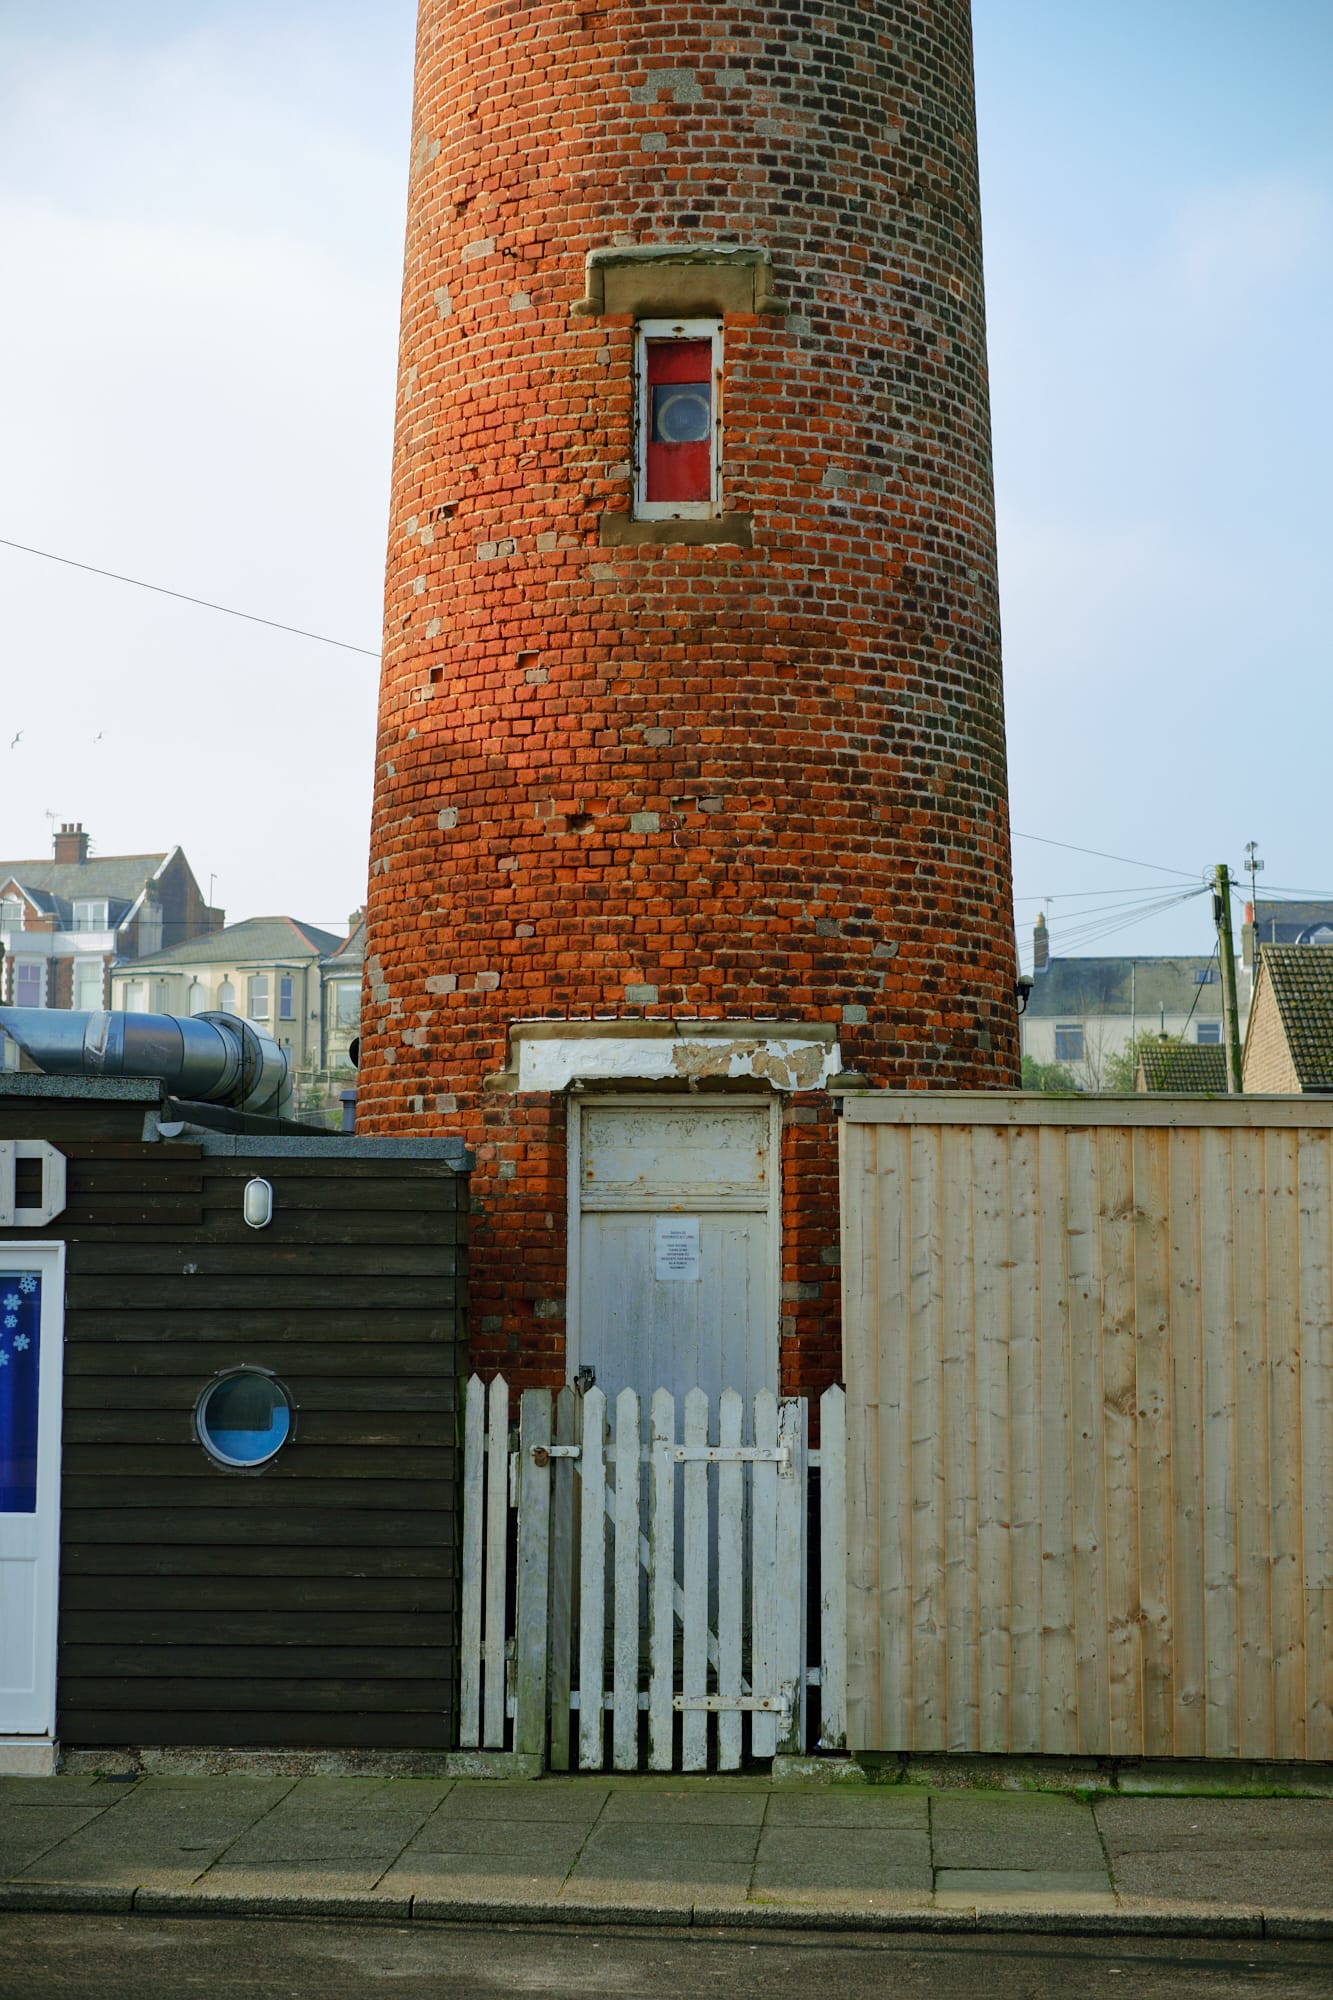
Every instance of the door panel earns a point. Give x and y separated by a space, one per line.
31 1314
647 1319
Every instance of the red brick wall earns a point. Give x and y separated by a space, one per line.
718 780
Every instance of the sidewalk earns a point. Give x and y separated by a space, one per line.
726 1851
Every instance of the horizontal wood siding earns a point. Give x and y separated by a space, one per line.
1089 1364
312 1603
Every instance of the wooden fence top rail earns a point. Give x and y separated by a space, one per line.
1014 1108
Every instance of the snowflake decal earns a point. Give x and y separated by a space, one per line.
28 1284
4 1358
11 1319
20 1341
11 1302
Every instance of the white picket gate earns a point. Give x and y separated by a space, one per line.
726 1551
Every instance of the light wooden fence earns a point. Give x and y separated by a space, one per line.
633 1598
1089 1367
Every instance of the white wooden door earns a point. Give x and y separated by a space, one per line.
674 1244
31 1336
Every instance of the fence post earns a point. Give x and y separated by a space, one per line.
592 1583
793 1500
474 1490
662 1583
625 1684
564 1545
534 1555
497 1557
833 1570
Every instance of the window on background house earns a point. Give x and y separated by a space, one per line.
90 916
678 423
347 1005
133 995
226 998
1209 1034
286 998
11 914
256 996
89 985
1069 1041
29 985
198 1000
161 997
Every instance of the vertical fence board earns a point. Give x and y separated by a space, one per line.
469 1636
1316 1289
694 1639
888 1516
1120 1537
789 1594
865 1163
592 1581
959 1455
1282 1315
730 1581
497 1547
1152 1306
662 1582
1026 1280
1059 1684
1189 1721
1219 1416
920 1484
1254 1608
1087 1459
990 1306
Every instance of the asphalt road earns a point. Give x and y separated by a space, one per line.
143 1958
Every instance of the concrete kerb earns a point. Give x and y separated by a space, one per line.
372 1906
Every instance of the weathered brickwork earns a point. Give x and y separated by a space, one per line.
687 779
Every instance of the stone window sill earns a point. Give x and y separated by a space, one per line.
622 531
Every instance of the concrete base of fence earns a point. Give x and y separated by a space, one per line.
1148 1776
493 1764
818 1771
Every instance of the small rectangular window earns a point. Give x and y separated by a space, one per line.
1069 1041
286 998
256 1005
29 985
1209 1034
678 420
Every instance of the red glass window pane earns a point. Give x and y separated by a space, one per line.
679 421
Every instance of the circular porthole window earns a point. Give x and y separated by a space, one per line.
244 1418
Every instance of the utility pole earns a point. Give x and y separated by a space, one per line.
1227 961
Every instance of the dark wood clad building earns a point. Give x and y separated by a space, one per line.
308 1600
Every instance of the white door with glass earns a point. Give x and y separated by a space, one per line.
674 1215
31 1334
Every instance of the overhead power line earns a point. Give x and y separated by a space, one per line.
207 604
1186 874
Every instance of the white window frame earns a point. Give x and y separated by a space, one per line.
252 980
1208 1034
674 510
100 919
1071 1028
287 979
11 915
29 965
85 971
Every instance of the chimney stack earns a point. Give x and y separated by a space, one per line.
71 843
1041 944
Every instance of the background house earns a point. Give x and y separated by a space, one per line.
341 974
1182 1068
1084 1011
64 922
268 969
1289 1043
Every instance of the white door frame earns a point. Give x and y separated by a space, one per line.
662 1100
49 1259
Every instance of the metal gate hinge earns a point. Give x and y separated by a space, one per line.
729 1454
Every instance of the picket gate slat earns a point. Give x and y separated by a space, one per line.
662 1583
625 1655
592 1582
716 1633
696 1566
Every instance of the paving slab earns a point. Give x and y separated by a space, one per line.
548 1799
53 1791
365 1795
557 1842
28 1832
842 1860
1013 1830
684 1805
1206 1850
633 1861
851 1807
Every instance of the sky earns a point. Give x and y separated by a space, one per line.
201 216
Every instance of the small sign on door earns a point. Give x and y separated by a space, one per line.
677 1247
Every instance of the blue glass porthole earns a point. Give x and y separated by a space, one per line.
244 1418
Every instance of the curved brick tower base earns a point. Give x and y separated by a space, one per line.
742 768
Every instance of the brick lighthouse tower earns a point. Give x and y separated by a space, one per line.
690 784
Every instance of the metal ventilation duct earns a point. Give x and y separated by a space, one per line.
205 1058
